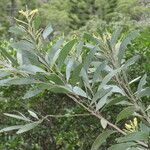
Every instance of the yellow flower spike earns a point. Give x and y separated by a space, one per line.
131 123
132 126
33 12
24 13
128 126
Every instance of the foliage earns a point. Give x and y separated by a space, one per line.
91 71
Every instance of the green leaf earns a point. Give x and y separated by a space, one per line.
99 94
134 80
79 91
103 123
144 92
32 93
4 74
108 77
69 68
115 36
141 83
122 146
17 117
102 101
135 136
53 53
75 74
6 55
23 45
55 78
65 51
89 57
31 68
28 127
131 61
115 89
85 78
47 31
60 89
22 81
79 48
5 82
33 114
98 71
101 139
128 111
90 38
114 101
127 40
18 30
27 57
10 128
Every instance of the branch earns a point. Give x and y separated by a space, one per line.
99 116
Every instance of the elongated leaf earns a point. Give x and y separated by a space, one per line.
18 30
131 61
65 51
23 45
32 68
108 77
27 57
5 81
134 80
128 111
32 93
116 100
75 74
98 71
53 53
141 83
22 81
122 146
6 55
4 74
17 117
79 91
85 78
144 92
99 94
89 57
79 48
48 30
55 78
10 128
127 40
148 108
68 68
115 89
135 136
101 139
103 123
102 101
28 127
115 36
33 114
60 89
93 39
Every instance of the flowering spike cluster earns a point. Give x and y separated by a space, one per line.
132 126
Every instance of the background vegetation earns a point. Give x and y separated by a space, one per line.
71 19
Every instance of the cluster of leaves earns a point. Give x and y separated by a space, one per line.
91 71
